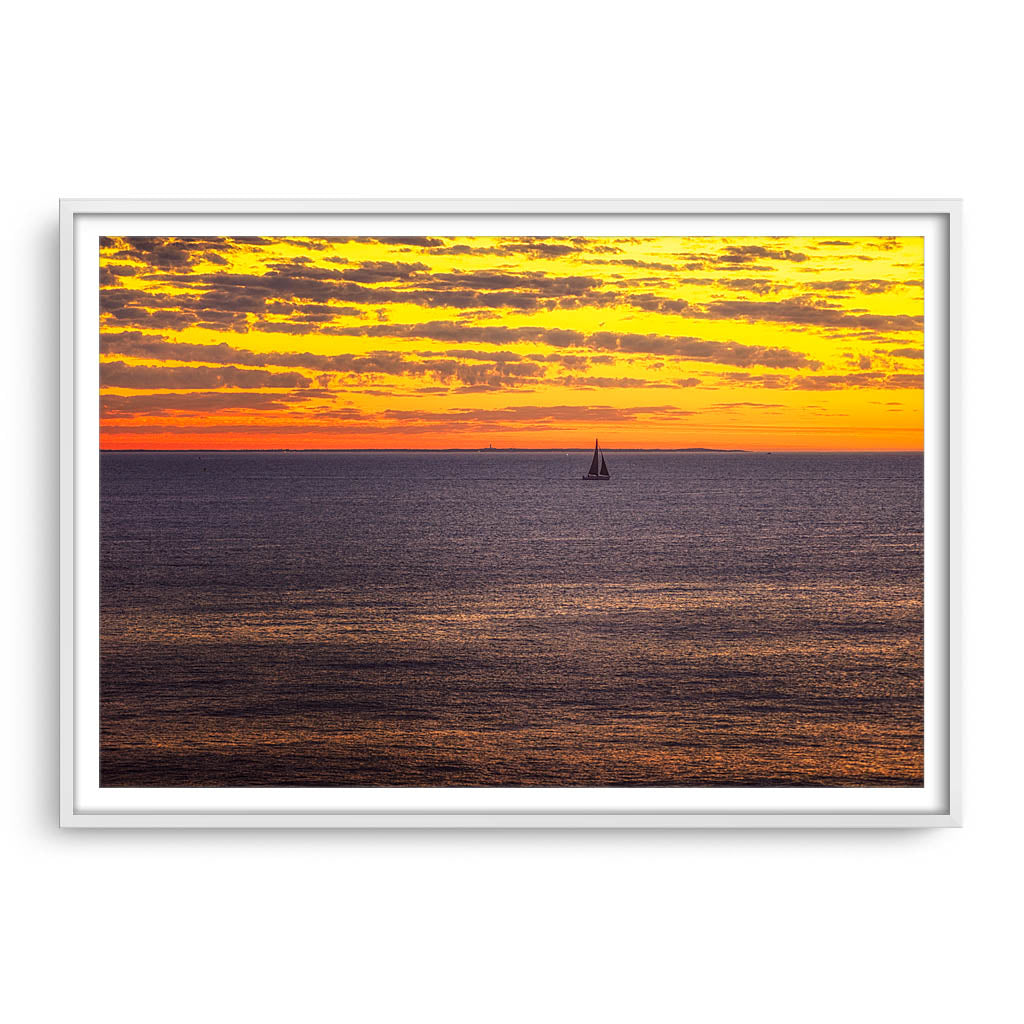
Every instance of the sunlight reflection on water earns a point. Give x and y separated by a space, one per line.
474 619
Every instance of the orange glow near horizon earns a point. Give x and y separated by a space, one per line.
770 344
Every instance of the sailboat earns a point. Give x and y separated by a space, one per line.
598 467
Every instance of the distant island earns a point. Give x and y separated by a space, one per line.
491 448
213 451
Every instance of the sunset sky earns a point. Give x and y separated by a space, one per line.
461 342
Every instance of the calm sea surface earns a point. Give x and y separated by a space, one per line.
464 619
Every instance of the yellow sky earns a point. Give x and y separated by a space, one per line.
757 343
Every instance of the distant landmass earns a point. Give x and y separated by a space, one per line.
721 451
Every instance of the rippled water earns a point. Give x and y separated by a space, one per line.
465 619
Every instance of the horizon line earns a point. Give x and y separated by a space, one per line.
694 449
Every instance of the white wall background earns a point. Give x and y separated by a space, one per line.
528 99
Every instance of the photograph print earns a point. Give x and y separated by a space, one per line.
511 511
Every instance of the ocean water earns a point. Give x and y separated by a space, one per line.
490 619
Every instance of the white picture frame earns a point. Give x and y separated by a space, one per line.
84 805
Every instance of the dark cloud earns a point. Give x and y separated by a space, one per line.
111 273
275 427
701 350
119 374
450 331
157 346
538 414
583 382
235 296
351 423
905 380
905 353
761 380
421 241
753 253
826 382
538 248
469 250
167 252
469 353
758 285
132 307
870 379
747 405
835 382
479 389
697 349
195 401
375 271
658 303
184 296
872 286
496 375
806 312
533 281
551 246
639 264
683 347
571 362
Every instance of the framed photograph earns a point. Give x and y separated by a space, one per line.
509 513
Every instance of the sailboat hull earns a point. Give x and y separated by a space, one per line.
595 476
